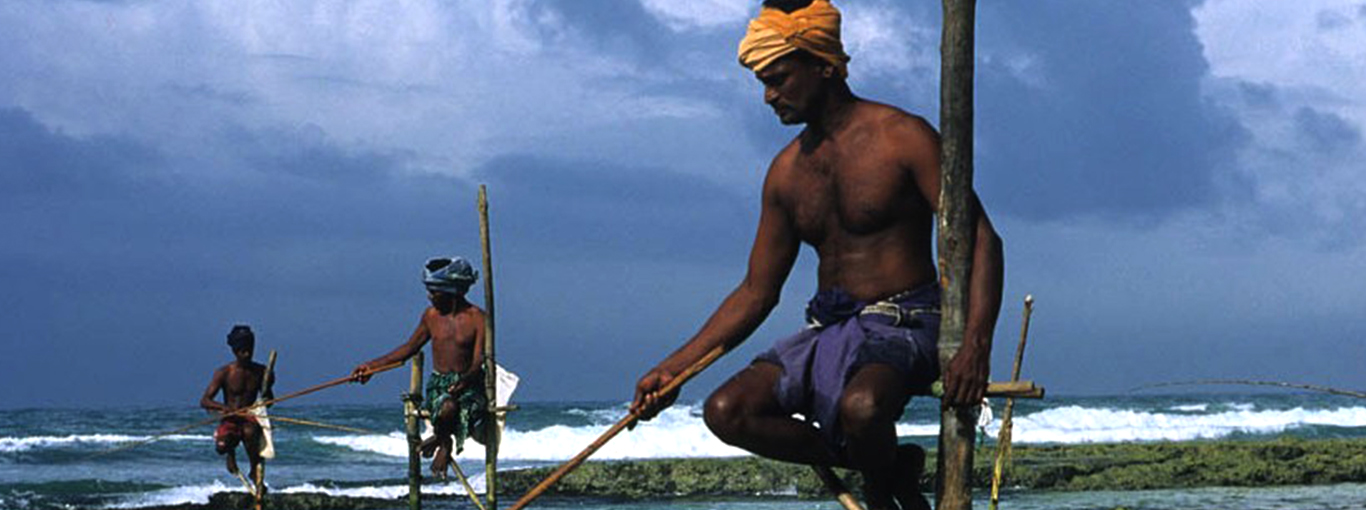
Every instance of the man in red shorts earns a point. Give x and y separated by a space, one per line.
240 382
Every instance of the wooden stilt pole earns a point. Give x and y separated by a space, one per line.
1003 437
491 431
953 489
266 392
412 418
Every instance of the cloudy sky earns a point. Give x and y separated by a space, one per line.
1178 183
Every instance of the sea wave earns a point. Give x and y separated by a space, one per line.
679 432
1075 424
22 444
185 494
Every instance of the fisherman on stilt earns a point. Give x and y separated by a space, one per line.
860 184
454 394
241 382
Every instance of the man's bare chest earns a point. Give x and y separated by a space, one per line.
242 381
450 332
846 196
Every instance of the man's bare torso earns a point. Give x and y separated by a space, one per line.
453 336
241 384
851 197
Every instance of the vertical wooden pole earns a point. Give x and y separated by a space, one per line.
953 489
267 392
412 420
491 432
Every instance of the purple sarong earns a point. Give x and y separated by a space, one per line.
846 334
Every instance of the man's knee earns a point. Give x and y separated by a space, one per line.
861 408
225 444
724 414
445 414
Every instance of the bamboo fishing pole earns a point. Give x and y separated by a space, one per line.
1003 437
630 420
247 409
836 486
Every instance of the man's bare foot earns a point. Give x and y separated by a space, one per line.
232 462
442 460
910 464
428 447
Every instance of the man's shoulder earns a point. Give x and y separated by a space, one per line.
887 118
473 311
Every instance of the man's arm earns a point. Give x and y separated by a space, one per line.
770 261
965 379
402 352
216 383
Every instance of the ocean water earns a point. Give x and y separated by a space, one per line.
52 458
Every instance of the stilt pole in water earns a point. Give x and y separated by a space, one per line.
953 490
266 383
491 431
412 417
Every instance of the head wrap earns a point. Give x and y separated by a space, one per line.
450 275
241 337
774 34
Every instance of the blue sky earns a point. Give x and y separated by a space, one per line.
1178 184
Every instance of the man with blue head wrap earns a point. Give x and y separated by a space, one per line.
454 394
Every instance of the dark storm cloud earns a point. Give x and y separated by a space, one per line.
317 243
594 209
1325 131
35 160
133 253
1096 108
1259 95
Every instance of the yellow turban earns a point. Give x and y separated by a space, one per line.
814 28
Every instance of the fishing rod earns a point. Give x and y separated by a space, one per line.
244 410
629 421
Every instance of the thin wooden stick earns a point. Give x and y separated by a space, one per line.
307 423
266 382
243 410
1003 437
1246 382
836 486
460 473
628 421
411 416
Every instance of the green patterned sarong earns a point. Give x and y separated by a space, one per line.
471 406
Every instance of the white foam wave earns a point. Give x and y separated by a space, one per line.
21 444
389 491
676 433
1074 424
680 433
1190 408
188 494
